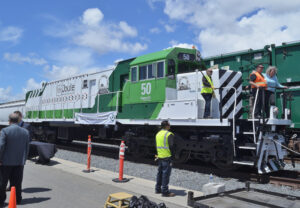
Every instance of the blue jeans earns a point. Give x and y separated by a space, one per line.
163 175
207 97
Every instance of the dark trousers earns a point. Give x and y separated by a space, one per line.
259 101
207 97
270 100
163 175
15 175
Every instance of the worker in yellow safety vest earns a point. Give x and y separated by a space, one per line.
207 91
258 82
164 140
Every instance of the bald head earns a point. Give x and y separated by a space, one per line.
13 118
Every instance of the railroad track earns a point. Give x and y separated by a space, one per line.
286 178
289 160
283 181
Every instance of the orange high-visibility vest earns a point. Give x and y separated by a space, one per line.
260 80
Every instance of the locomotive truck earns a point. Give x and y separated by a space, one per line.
130 101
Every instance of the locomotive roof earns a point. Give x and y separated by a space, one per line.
152 56
159 55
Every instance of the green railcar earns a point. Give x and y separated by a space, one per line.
285 57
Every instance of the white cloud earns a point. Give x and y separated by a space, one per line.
92 17
155 30
118 60
94 33
151 3
30 59
5 94
31 84
169 28
174 43
60 72
73 56
128 30
226 26
11 33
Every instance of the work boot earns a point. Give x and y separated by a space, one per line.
158 191
168 194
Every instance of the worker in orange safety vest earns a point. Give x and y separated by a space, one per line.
258 83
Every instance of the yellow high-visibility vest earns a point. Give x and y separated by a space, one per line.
208 90
162 144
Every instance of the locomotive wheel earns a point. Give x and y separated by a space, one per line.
224 165
224 158
137 150
182 156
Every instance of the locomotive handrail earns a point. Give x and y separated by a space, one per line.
233 117
253 118
180 100
97 103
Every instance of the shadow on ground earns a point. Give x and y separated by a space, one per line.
178 192
35 190
34 200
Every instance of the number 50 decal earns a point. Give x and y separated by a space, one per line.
146 88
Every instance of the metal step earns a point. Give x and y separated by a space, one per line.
247 147
251 119
250 163
248 132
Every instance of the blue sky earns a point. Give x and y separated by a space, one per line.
48 40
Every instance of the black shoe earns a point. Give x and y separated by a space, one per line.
168 194
158 191
2 205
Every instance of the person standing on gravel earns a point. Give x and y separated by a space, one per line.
164 139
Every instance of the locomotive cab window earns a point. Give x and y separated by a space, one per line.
151 72
160 69
133 74
85 84
171 67
142 72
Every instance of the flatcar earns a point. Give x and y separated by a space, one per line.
130 101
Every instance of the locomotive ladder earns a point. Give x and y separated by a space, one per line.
252 147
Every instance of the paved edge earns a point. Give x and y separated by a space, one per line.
135 185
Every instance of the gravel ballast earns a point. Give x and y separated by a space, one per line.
181 178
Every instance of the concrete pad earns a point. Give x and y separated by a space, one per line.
47 187
136 185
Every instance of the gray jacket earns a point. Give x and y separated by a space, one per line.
14 145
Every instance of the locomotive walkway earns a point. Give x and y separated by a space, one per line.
63 184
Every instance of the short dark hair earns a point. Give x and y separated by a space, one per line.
164 124
18 113
260 65
13 118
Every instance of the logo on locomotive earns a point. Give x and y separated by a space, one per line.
65 89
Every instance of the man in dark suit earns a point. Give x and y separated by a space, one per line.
14 146
21 123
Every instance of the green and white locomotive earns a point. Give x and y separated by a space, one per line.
130 101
